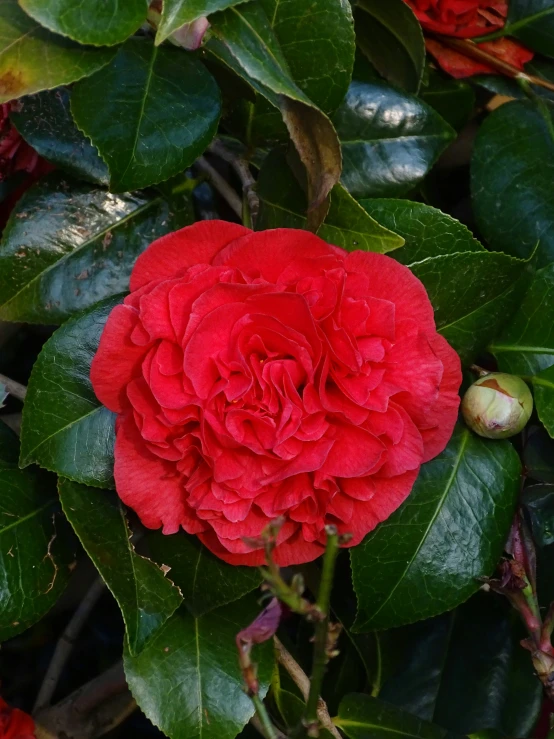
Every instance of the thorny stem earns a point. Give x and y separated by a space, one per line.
65 645
470 49
268 730
221 185
14 388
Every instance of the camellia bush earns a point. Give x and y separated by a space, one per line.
277 369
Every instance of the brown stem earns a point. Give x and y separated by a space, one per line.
302 682
14 388
221 185
470 49
89 712
242 169
65 645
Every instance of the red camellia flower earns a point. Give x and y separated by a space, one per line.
270 374
15 724
467 19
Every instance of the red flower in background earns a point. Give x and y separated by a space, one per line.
265 374
467 19
14 723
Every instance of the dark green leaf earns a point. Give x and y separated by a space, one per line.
466 671
146 598
538 454
497 83
427 231
363 717
283 202
390 36
425 558
68 245
33 59
454 100
473 294
526 346
34 557
187 680
151 113
538 501
245 41
205 581
511 177
175 13
390 140
543 391
44 120
532 21
98 23
65 429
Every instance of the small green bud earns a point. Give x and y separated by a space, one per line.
497 405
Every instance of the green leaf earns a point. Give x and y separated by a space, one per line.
390 140
205 581
33 59
98 23
64 428
246 42
538 454
454 100
175 13
146 598
511 177
390 36
473 294
151 113
427 231
187 680
543 392
363 717
34 556
45 122
538 501
466 671
425 558
532 21
526 346
68 245
282 204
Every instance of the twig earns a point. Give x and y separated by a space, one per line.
14 388
242 169
267 729
221 185
470 49
65 645
302 682
91 711
257 724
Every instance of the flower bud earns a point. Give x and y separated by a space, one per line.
497 405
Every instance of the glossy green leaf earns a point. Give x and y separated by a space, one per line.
246 42
511 177
538 454
98 23
283 203
150 113
390 140
363 717
425 558
390 36
543 393
45 122
146 597
526 346
187 680
65 429
427 231
33 59
538 501
454 100
532 21
466 671
473 294
196 571
68 245
175 13
34 557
